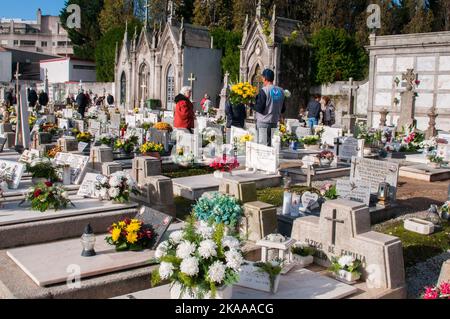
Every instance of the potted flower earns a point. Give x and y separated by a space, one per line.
273 270
84 137
126 146
152 149
162 126
329 191
290 139
106 139
439 292
41 170
302 255
116 188
435 161
325 158
444 211
219 209
130 234
45 196
224 165
200 262
346 268
311 142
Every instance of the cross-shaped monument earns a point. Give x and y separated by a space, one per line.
191 80
335 221
224 94
408 101
349 119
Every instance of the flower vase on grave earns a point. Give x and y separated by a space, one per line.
153 154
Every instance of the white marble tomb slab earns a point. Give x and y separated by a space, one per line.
443 101
444 82
426 82
444 63
12 214
384 82
403 64
424 100
385 65
297 284
426 63
383 99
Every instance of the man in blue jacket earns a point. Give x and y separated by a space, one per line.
314 109
269 107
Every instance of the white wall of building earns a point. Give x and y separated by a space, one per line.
57 70
5 66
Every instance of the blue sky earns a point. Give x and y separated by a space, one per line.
26 9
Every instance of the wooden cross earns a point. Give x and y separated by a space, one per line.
350 87
335 221
191 80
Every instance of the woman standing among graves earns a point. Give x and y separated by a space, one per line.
184 116
328 110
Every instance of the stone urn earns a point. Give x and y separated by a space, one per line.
177 293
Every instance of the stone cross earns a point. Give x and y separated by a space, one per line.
191 80
351 89
410 77
335 221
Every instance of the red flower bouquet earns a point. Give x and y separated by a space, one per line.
224 164
440 292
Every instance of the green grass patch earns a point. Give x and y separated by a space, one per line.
416 247
187 172
274 195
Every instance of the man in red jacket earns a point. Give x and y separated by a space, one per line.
184 117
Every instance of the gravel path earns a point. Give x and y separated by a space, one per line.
424 274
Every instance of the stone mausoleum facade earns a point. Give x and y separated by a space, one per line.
429 55
156 64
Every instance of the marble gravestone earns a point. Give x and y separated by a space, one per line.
350 147
343 228
303 131
77 163
373 172
329 134
261 157
357 192
89 186
12 172
94 127
158 223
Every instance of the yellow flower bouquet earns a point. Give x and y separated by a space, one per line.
130 234
84 137
246 138
243 93
151 147
162 126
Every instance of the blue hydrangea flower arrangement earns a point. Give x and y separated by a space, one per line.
218 208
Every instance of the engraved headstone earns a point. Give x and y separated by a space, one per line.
353 191
11 172
303 131
77 163
88 187
373 172
350 147
261 157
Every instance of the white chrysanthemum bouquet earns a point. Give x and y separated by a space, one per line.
199 260
117 187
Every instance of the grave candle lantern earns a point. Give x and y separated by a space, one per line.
383 193
88 242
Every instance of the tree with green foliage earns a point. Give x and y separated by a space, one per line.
337 57
84 39
116 13
106 48
228 42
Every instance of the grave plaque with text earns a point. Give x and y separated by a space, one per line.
77 163
11 172
372 172
88 187
261 157
353 191
350 147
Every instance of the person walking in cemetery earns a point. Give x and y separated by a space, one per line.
184 116
328 110
82 103
314 109
269 107
110 100
236 115
9 97
43 98
206 104
32 97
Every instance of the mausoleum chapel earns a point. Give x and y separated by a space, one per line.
220 165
